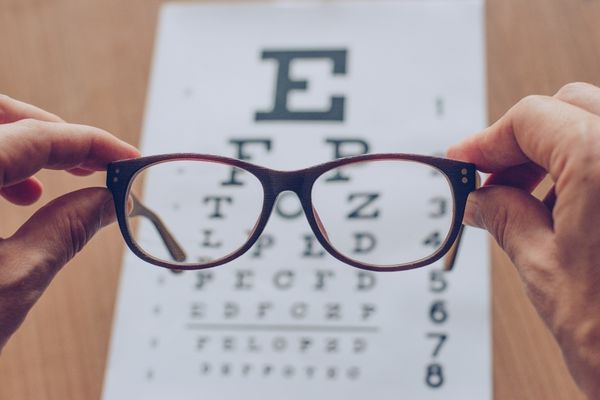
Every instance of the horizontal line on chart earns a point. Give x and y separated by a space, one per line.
282 328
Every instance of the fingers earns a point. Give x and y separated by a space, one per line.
582 95
28 145
19 188
525 176
57 231
539 129
12 110
23 193
80 171
518 221
550 199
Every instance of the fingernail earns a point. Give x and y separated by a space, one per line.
473 212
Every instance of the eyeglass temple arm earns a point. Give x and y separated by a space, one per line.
139 209
450 258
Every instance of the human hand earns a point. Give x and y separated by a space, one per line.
32 139
554 243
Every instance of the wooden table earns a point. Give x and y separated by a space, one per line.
89 61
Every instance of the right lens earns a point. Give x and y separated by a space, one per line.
192 211
384 212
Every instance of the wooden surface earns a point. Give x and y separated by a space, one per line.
88 61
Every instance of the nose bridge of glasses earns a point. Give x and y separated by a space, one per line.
298 182
292 181
284 181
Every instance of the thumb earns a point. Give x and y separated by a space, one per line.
34 254
518 221
60 229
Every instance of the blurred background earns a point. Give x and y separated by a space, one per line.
89 62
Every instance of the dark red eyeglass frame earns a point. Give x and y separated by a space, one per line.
462 177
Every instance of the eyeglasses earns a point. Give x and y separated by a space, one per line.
378 212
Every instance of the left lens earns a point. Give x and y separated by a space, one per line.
384 212
192 211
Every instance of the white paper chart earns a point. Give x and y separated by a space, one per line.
288 86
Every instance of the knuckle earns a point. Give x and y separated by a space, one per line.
75 233
582 146
31 124
530 103
95 133
573 90
533 101
4 100
577 157
528 107
20 144
80 235
4 104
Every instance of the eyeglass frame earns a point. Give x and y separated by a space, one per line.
462 177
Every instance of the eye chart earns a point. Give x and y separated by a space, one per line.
289 86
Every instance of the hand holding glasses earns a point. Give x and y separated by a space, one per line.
378 212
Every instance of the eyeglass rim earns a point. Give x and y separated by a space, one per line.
120 175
